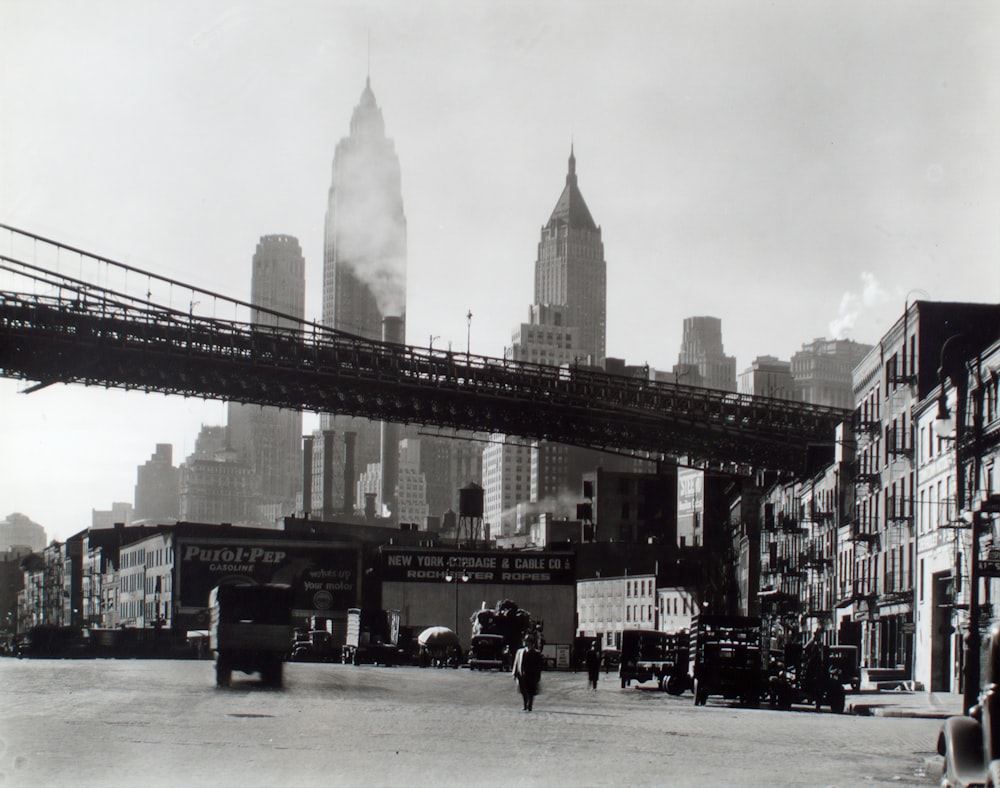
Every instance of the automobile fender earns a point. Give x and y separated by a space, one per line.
961 744
993 774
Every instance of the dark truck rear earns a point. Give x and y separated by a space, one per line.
373 638
250 630
648 654
726 658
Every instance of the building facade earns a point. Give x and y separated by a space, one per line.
822 370
506 482
767 376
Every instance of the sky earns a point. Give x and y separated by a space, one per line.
798 168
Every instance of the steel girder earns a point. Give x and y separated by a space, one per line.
153 349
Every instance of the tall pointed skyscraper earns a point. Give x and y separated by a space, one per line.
571 271
364 264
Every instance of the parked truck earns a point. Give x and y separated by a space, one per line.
497 634
250 630
373 638
726 658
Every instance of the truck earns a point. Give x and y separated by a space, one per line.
650 654
507 621
372 638
726 658
250 629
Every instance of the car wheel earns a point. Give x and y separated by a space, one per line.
836 696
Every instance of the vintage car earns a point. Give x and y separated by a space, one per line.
789 685
970 743
487 652
845 666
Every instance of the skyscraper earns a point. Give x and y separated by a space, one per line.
702 360
571 270
821 371
364 253
157 487
268 439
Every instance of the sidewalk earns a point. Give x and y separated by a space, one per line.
904 703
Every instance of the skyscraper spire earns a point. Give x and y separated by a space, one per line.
571 175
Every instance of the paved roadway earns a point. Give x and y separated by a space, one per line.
164 723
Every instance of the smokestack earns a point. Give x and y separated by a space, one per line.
327 474
392 331
307 474
349 441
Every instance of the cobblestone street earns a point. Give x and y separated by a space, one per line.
133 722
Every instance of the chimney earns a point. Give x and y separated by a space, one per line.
327 474
307 474
349 441
392 331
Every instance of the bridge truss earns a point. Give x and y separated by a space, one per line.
62 328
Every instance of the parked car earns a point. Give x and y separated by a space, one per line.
845 665
970 743
789 684
487 652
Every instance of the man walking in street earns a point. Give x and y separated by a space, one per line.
527 671
593 661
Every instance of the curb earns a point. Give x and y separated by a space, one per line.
874 710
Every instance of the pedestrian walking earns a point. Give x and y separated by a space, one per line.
527 671
593 661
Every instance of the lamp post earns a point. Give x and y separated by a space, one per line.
952 426
454 577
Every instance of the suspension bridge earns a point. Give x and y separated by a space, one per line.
68 316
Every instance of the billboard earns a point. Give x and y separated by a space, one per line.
493 567
324 576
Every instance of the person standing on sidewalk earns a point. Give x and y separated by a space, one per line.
527 671
593 661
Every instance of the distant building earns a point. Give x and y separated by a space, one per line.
768 376
364 257
158 487
702 360
18 530
821 371
607 605
411 486
120 512
268 439
215 486
570 269
506 482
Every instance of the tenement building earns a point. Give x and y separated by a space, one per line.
889 384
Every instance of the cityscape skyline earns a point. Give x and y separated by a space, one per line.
822 169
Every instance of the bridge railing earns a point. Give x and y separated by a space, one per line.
136 305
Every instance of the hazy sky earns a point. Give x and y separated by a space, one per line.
796 168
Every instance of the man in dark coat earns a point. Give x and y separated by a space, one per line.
527 671
593 660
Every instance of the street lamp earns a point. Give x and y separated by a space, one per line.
454 577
